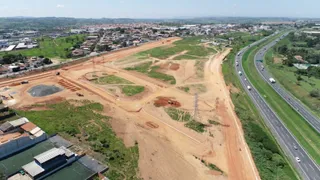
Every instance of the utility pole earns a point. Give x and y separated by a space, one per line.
195 114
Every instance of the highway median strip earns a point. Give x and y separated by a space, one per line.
303 132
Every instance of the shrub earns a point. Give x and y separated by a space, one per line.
299 78
315 93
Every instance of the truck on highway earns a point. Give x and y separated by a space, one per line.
272 80
240 73
238 53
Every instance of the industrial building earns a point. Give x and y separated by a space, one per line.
52 160
17 135
49 162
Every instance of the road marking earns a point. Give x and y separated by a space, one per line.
311 167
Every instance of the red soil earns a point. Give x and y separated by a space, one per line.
166 101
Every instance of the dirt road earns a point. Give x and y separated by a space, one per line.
167 149
239 156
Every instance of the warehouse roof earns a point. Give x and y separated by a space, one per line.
10 48
8 137
28 126
5 126
68 153
33 169
48 155
35 130
39 133
21 46
19 122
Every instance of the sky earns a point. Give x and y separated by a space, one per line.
159 8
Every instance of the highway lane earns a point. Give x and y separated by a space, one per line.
307 168
288 97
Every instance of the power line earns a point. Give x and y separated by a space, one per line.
195 113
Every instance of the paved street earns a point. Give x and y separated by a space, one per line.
307 167
288 97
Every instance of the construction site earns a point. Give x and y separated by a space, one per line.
178 111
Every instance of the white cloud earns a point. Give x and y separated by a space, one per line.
60 6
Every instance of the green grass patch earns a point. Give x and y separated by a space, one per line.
234 34
216 123
112 79
303 132
85 121
185 89
288 79
152 72
185 56
212 166
196 88
182 116
132 90
200 68
178 115
51 48
196 126
267 154
190 44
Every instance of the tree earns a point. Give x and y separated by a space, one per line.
69 55
11 58
47 61
315 93
313 58
124 44
299 78
278 160
103 47
122 31
283 49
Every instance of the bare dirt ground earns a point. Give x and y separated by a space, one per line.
277 60
167 149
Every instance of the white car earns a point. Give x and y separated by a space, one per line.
272 80
298 159
249 88
240 73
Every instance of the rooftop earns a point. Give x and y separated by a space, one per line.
35 130
19 122
33 169
28 126
20 177
5 127
46 156
8 137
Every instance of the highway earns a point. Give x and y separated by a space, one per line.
307 168
288 97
